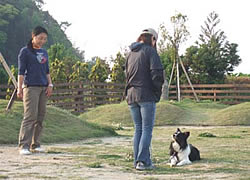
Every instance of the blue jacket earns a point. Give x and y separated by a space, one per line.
34 66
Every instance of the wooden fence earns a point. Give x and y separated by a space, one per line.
3 90
77 97
226 93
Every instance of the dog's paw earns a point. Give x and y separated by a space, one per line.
186 162
171 165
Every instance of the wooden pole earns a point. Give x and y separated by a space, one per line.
13 79
171 77
178 81
11 101
195 95
6 67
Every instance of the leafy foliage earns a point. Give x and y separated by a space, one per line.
56 51
58 71
18 18
117 72
214 56
167 57
59 52
178 35
170 43
80 72
238 78
7 13
100 71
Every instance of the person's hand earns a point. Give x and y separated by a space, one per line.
20 93
49 91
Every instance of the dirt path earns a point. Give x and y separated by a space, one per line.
60 166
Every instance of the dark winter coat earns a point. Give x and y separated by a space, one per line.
144 74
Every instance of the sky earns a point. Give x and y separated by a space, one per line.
104 27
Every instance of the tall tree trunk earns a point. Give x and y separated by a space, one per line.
165 88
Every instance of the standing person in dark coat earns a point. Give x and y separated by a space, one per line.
144 79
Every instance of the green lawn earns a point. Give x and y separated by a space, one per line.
220 132
225 155
59 125
187 112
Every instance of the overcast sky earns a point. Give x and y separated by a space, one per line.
102 27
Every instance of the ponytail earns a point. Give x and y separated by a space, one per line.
30 46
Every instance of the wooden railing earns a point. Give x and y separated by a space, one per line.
227 93
79 96
3 90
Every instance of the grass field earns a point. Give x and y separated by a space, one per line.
187 112
220 132
225 155
59 126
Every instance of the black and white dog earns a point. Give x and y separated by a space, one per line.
181 152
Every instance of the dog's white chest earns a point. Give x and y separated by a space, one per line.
184 153
176 146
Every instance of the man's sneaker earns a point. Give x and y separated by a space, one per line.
25 152
38 150
141 166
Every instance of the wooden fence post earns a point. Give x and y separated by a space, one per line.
214 94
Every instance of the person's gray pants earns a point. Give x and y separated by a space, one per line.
34 103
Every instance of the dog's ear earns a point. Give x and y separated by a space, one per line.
187 134
178 130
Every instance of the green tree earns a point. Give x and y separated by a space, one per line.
117 72
7 14
214 57
177 36
18 18
56 51
58 71
171 42
59 51
80 72
100 71
167 56
192 61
